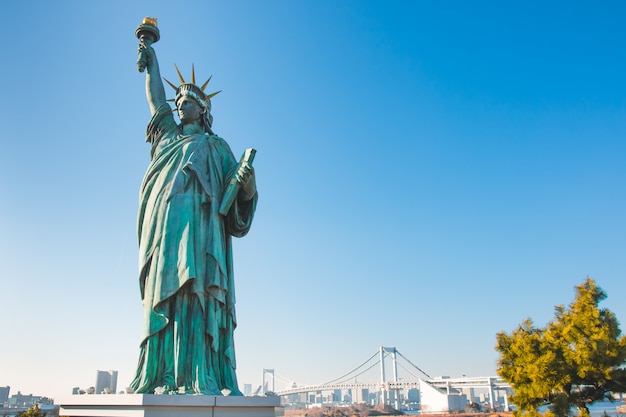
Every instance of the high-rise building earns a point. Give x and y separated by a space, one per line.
106 382
360 395
4 394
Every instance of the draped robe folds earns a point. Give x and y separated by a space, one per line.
185 262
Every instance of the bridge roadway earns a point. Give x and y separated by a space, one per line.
491 383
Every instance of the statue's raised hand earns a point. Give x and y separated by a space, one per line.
145 55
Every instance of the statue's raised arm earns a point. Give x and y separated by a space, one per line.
148 33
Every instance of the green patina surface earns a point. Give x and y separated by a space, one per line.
185 253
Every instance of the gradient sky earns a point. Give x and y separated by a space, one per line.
430 173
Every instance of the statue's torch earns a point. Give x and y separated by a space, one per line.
147 33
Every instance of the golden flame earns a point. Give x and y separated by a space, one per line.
150 21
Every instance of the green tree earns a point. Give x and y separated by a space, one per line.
578 358
34 411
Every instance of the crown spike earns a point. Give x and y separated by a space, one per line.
208 97
193 75
206 83
182 80
171 85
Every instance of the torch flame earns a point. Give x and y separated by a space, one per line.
150 21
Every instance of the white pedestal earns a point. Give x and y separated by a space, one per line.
147 405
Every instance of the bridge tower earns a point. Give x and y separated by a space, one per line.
383 381
268 380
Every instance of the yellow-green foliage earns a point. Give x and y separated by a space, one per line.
34 411
578 358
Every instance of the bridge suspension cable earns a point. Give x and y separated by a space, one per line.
285 380
355 369
408 370
415 366
360 373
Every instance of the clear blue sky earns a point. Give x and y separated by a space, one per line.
430 173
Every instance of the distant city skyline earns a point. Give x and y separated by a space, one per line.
272 379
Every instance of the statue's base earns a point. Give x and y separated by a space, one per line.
147 405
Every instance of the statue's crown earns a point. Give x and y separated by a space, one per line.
192 90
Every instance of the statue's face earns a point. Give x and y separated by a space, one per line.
189 110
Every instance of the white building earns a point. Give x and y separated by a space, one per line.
441 400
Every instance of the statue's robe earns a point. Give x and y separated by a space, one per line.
185 262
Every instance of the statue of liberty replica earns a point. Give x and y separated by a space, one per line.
194 197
